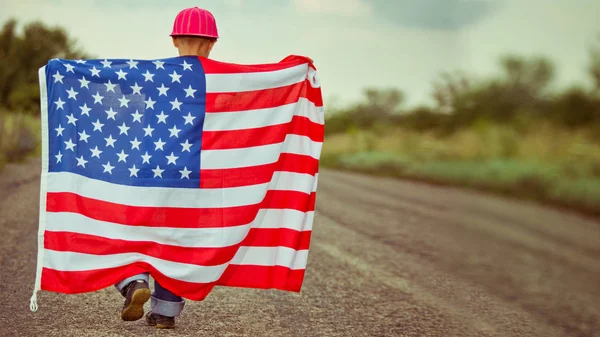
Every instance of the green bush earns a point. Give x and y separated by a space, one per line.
19 137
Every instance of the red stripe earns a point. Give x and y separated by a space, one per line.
273 134
246 276
175 216
262 99
277 237
203 256
260 174
262 277
216 67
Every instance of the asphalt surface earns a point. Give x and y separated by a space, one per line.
387 258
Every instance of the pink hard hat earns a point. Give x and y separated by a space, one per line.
195 22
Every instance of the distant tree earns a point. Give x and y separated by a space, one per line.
594 67
21 55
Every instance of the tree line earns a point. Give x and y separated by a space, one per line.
519 97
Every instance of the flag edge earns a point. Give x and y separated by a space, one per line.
33 306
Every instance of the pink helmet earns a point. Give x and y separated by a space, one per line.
195 22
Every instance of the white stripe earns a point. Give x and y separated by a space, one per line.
259 155
176 197
70 261
271 256
263 256
215 237
285 218
239 82
239 120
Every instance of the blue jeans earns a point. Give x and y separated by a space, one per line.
163 302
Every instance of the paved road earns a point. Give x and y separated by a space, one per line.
388 258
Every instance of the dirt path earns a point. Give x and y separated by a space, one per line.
387 258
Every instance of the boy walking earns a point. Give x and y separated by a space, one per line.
194 34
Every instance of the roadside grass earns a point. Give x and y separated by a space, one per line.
19 137
544 163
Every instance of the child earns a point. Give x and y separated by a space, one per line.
194 33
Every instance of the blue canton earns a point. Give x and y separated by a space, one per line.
129 122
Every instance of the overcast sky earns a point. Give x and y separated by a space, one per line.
376 43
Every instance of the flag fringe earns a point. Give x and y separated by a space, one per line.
33 305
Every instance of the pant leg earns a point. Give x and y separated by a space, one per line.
164 302
121 285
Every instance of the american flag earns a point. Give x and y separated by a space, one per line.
200 172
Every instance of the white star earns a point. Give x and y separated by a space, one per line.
95 72
70 145
59 104
136 89
97 98
110 141
186 146
58 157
72 94
162 90
97 125
69 68
162 117
171 158
175 77
186 66
159 144
124 128
81 161
189 92
132 64
85 110
110 86
84 136
111 114
59 130
122 156
174 131
148 131
185 173
96 152
157 172
80 61
176 104
122 75
71 119
106 63
135 144
133 171
148 76
149 103
146 158
137 117
84 82
124 102
189 118
108 168
159 64
58 77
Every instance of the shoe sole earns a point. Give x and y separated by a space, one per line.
159 325
162 326
135 310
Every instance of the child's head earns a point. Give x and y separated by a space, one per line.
194 32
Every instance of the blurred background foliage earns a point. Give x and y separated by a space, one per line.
513 133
